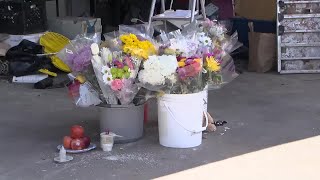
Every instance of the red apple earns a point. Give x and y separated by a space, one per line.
77 144
67 142
86 141
77 131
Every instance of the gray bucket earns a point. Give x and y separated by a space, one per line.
126 121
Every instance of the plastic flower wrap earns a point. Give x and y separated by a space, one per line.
118 73
77 54
159 72
218 34
99 60
214 29
82 94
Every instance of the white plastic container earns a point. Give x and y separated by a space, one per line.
106 141
205 99
180 120
29 79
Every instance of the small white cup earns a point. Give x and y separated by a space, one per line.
107 147
106 141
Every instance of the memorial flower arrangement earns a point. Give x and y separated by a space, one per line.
132 66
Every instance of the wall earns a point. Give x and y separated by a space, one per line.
77 9
256 9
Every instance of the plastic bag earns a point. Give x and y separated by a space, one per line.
83 95
144 95
231 43
107 93
140 30
223 72
77 54
112 41
24 60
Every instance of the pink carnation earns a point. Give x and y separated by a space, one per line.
116 85
129 63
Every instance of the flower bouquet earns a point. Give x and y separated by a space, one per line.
186 49
117 70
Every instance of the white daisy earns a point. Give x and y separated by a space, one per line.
107 79
105 70
206 41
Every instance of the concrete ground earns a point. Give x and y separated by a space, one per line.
264 112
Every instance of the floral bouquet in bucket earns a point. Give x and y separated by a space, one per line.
117 70
186 50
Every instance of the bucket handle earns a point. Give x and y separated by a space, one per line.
191 131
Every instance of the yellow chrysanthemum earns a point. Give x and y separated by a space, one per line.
133 46
181 64
212 64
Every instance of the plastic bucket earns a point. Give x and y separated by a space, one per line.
205 99
180 120
126 121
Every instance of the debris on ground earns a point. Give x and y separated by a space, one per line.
220 123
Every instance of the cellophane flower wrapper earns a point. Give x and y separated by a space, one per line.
228 71
112 41
219 68
117 72
77 54
222 68
97 63
140 30
121 74
137 41
218 34
187 47
83 95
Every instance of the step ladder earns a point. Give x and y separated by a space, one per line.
184 16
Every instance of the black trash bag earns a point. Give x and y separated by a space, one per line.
23 59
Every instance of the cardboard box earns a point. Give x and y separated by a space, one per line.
73 26
256 9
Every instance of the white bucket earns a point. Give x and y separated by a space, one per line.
180 120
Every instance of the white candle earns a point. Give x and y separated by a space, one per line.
63 154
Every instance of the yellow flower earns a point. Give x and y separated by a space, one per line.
133 46
212 64
183 59
198 60
181 64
